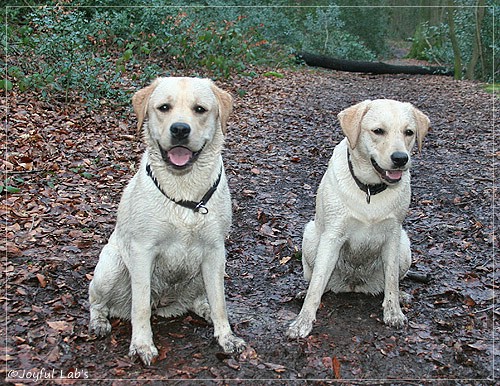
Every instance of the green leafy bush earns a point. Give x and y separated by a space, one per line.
57 57
432 42
324 33
367 23
89 55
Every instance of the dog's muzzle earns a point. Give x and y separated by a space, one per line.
180 157
400 161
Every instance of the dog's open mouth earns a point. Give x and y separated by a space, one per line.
180 157
390 176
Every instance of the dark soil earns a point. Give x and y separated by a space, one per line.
71 166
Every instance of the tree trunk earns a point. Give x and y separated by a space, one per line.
369 67
477 45
454 41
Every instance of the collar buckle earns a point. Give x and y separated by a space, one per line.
201 208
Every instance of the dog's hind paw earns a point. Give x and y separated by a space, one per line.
201 308
300 327
232 344
100 326
301 295
147 352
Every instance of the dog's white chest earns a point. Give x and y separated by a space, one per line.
178 262
362 235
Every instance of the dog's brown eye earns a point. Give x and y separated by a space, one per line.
409 133
164 108
200 109
379 131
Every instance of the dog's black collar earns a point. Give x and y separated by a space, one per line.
193 205
370 190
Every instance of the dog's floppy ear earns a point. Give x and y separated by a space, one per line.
422 122
350 121
225 101
140 103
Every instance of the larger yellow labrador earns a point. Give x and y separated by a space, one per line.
167 251
356 242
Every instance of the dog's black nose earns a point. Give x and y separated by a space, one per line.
399 158
180 130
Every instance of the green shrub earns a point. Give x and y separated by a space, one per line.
324 33
367 23
432 42
90 55
67 64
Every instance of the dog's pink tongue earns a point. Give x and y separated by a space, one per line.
179 155
394 174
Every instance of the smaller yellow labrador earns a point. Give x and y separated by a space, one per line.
356 242
166 254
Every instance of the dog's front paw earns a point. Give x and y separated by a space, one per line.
300 327
147 352
232 344
100 326
393 316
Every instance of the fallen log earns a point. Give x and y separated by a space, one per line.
370 67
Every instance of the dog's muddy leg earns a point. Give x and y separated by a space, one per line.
142 335
326 259
106 273
393 316
213 276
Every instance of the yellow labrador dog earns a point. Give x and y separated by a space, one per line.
356 242
167 252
